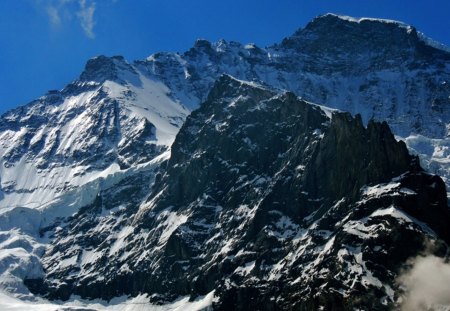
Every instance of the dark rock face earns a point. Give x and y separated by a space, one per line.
332 34
351 156
268 202
88 238
102 68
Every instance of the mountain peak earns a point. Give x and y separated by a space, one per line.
341 29
331 20
350 19
102 68
340 34
202 44
228 86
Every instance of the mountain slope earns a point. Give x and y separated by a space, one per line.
94 127
249 206
58 152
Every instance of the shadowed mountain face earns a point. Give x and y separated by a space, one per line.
265 200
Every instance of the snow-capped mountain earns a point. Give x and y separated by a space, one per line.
79 214
110 119
59 151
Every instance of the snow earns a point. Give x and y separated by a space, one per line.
365 19
246 269
32 197
120 241
327 110
19 258
227 247
90 256
433 43
434 154
359 229
139 303
170 221
71 129
393 212
359 272
20 244
403 217
152 101
284 227
378 190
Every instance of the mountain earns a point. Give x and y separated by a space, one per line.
264 196
110 119
82 167
380 69
59 151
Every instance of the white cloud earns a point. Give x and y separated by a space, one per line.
427 285
86 16
60 11
53 14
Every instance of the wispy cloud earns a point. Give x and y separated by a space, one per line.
86 16
53 14
60 11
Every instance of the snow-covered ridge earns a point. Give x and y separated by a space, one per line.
409 28
437 45
368 19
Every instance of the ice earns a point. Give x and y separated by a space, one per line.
32 197
152 102
432 42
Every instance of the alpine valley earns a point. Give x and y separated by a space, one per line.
300 176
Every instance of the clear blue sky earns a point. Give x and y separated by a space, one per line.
44 44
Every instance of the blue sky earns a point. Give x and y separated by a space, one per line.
44 44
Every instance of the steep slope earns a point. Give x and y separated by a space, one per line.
109 120
264 196
58 152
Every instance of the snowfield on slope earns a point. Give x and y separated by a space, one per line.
140 303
